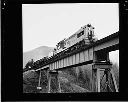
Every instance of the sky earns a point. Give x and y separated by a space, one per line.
47 24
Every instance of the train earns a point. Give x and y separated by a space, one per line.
85 35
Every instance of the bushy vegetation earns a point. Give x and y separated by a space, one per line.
29 63
82 77
30 82
79 79
72 80
115 68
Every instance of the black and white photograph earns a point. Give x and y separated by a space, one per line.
70 47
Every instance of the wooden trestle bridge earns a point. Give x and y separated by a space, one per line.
96 54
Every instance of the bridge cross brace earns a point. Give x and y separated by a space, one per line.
53 82
106 67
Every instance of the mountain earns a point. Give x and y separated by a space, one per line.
36 54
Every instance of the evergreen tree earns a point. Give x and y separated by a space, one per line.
29 64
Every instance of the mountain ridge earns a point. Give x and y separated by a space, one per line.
38 48
36 54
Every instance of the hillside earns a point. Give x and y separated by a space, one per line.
72 80
36 54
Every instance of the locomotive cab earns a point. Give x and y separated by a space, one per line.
90 33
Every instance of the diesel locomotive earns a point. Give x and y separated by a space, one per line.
85 35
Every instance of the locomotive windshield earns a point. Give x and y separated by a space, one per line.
80 34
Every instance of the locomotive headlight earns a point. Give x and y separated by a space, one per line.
89 25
